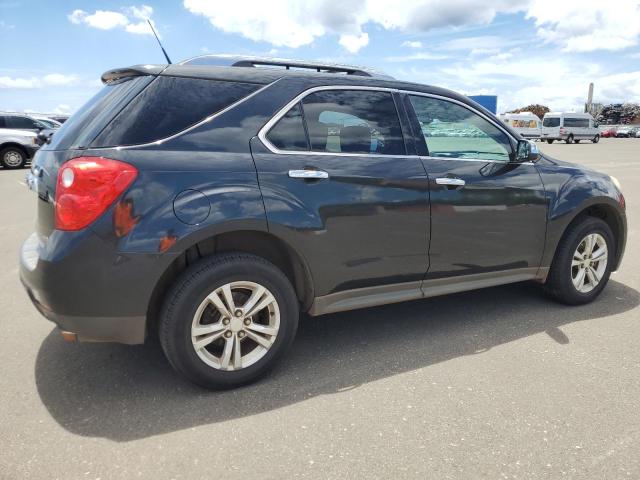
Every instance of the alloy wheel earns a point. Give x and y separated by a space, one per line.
589 263
235 325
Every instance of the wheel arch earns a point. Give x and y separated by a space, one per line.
605 209
15 145
260 243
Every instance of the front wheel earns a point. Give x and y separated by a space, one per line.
583 261
549 141
12 157
569 139
596 139
228 319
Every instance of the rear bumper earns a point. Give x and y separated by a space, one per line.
84 286
128 330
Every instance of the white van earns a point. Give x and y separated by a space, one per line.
570 127
526 124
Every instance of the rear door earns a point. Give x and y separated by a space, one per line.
339 186
488 213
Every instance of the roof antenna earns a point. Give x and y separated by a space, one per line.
156 35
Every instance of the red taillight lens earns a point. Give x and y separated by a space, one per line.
86 187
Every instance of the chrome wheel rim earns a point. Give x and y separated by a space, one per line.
13 158
235 325
589 263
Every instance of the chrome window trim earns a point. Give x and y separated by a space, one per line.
264 131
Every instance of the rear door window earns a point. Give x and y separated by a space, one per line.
289 132
168 106
353 121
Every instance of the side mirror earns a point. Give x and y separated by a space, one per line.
527 151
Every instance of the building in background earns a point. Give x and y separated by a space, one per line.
490 102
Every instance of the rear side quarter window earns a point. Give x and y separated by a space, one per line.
168 106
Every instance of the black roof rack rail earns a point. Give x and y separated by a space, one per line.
288 64
318 67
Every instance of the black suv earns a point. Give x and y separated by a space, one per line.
210 205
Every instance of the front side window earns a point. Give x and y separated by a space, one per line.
453 131
353 121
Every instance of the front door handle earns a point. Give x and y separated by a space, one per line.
450 182
308 174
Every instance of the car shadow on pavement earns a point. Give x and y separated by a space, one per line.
127 393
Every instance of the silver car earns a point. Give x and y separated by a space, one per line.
16 147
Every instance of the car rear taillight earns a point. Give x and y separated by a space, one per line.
86 187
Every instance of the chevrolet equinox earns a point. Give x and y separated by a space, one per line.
210 205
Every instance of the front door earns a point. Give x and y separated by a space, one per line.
488 213
339 187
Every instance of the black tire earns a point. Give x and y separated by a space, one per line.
596 139
549 141
10 155
192 287
576 141
569 139
559 283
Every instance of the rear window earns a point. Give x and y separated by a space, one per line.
168 106
551 122
91 118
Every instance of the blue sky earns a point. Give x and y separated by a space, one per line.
526 51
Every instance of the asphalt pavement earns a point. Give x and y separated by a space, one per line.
495 383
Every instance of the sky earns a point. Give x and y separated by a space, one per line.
52 52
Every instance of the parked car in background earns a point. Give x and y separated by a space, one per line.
17 121
16 147
49 122
608 133
245 195
570 127
526 124
623 132
59 118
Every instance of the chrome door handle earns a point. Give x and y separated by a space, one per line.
451 182
308 174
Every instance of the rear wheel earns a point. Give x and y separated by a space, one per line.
582 264
596 139
13 157
569 139
549 141
228 319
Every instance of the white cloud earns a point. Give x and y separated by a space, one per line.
412 44
49 80
353 43
587 25
561 82
293 24
575 25
63 109
417 56
133 20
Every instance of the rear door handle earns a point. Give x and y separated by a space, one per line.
308 174
450 182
